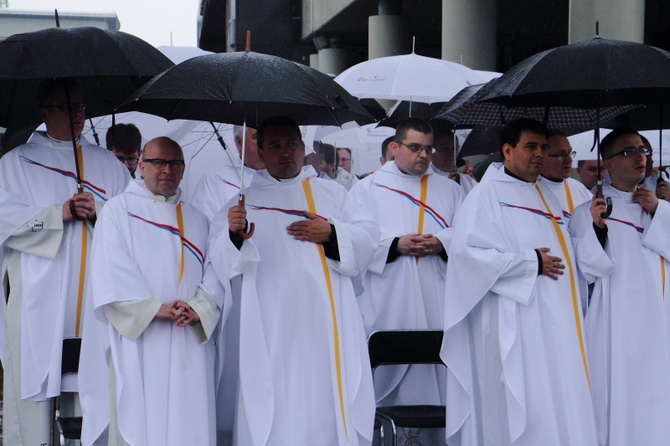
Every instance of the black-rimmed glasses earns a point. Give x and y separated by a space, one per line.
130 159
161 163
631 151
416 148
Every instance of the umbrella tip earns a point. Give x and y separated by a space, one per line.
248 45
597 30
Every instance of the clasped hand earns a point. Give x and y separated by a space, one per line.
178 311
419 245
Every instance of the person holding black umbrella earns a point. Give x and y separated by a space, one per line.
304 373
46 255
627 326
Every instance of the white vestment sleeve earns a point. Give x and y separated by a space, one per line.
222 251
356 240
592 260
41 235
131 318
444 236
517 281
381 254
656 237
209 313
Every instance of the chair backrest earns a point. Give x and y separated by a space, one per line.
71 351
405 347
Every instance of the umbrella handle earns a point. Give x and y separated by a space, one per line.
608 211
252 226
608 201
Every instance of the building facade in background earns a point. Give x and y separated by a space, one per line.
331 35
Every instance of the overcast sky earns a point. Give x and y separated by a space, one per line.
159 22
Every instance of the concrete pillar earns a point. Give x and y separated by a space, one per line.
617 19
469 33
314 61
333 60
388 35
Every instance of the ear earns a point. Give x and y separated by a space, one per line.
507 151
394 146
260 154
608 165
43 114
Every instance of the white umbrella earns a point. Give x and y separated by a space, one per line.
365 143
202 151
410 77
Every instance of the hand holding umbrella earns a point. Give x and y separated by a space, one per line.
240 201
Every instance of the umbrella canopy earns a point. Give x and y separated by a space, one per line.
409 77
465 111
234 87
595 73
108 65
405 109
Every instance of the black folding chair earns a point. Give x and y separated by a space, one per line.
69 427
395 347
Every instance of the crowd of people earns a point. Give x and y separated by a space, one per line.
243 319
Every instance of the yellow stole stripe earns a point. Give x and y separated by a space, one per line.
422 208
84 250
180 224
663 274
568 195
336 336
573 285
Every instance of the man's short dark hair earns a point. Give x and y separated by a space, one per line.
607 143
50 87
329 153
124 138
580 163
511 133
275 121
385 145
555 132
417 124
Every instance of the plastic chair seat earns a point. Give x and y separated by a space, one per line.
424 416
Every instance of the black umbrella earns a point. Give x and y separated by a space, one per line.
108 65
247 87
592 74
466 111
